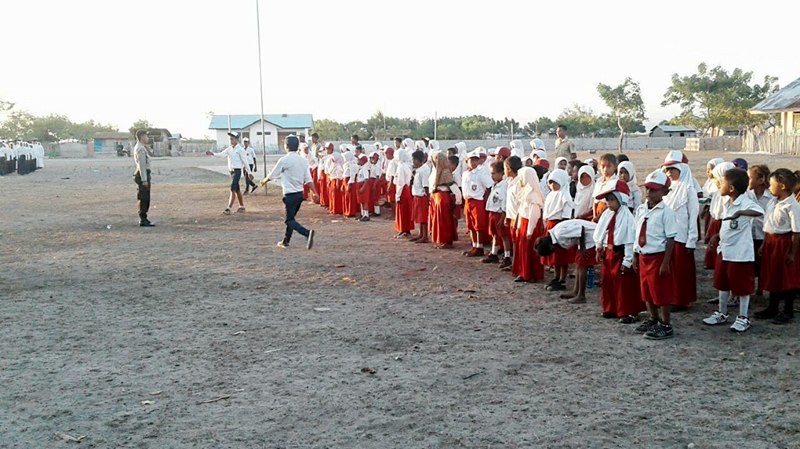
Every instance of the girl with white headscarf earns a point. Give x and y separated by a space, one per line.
527 265
517 149
626 172
335 185
620 295
558 206
559 162
716 212
682 199
583 193
403 211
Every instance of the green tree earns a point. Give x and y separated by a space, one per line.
542 125
328 129
625 102
713 99
140 124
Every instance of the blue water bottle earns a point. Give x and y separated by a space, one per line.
590 277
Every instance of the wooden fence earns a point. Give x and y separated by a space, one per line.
774 141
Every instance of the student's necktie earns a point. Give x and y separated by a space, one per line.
611 225
643 234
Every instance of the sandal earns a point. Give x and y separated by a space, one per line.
226 212
240 210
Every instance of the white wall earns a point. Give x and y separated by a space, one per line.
255 139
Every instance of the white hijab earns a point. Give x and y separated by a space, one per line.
530 196
583 194
624 227
517 149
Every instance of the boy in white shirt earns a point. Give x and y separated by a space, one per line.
420 189
496 208
476 184
570 234
734 271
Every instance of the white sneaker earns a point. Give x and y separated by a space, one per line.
741 324
715 319
282 245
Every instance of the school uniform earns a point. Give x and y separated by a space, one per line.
363 184
620 293
758 225
323 179
390 168
682 199
495 208
420 196
715 211
404 212
558 206
475 184
526 262
735 266
237 162
654 226
601 185
574 234
335 186
781 220
378 184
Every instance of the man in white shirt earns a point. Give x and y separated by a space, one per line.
142 176
295 176
237 162
250 156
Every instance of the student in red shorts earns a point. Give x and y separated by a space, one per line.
496 209
567 235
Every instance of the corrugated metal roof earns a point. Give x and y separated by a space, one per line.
674 129
284 121
786 99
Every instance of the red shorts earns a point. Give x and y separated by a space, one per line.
475 210
561 256
739 278
710 259
589 261
365 196
496 228
656 289
776 276
421 209
391 193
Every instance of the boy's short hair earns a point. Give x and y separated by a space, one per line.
622 158
293 143
540 171
498 167
454 160
762 170
398 139
562 126
739 179
452 150
418 156
544 245
354 136
140 133
315 135
785 177
514 163
575 164
609 158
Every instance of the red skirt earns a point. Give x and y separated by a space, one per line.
710 259
421 209
527 263
656 289
776 276
619 293
351 208
335 197
323 189
475 211
589 261
390 193
456 211
364 196
512 231
561 256
377 190
403 213
313 180
739 278
684 269
496 227
442 227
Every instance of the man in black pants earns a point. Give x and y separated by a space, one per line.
142 176
250 156
294 174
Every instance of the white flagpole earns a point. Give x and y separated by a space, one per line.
261 89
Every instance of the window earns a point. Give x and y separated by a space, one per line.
269 133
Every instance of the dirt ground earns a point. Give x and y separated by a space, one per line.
236 343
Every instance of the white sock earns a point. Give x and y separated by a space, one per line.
507 254
377 210
494 248
744 305
723 302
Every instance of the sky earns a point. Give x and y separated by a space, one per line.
173 61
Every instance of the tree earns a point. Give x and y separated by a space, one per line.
539 126
716 99
625 102
140 124
328 129
50 128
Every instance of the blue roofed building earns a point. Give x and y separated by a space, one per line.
275 128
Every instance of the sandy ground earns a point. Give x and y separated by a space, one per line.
237 343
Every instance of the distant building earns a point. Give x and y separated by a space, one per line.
785 102
672 131
276 128
106 142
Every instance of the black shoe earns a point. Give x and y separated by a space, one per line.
505 263
648 324
491 258
782 318
146 224
477 253
766 314
628 319
254 189
467 253
519 279
557 287
310 242
609 315
660 332
553 282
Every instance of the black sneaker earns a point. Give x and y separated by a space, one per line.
477 253
609 315
519 279
659 332
628 319
505 263
146 224
782 318
766 314
647 325
254 189
491 258
557 287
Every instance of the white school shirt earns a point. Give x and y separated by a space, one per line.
391 169
476 182
376 171
661 226
567 234
686 211
512 202
758 222
782 217
293 172
363 173
236 157
421 181
622 236
558 205
497 197
250 154
736 245
353 171
402 178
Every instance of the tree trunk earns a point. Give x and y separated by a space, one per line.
621 133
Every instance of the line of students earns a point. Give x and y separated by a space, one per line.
524 217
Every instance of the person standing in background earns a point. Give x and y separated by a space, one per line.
250 156
142 176
564 147
237 162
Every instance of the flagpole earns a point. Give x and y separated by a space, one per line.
261 90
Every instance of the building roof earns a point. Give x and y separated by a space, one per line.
284 121
112 135
674 129
786 99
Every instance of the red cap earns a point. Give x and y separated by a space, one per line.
389 151
504 152
543 163
620 186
